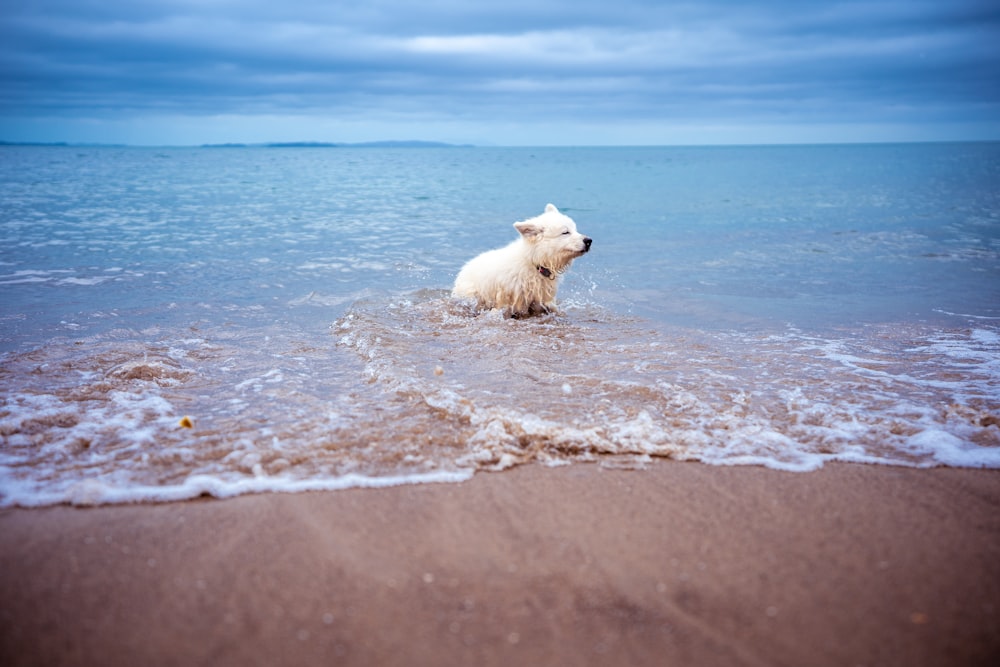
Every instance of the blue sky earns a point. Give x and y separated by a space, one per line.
517 72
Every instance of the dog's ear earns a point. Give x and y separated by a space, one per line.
550 208
528 229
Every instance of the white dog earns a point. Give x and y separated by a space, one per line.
522 278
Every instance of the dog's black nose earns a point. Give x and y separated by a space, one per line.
586 242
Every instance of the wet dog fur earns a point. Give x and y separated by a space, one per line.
522 278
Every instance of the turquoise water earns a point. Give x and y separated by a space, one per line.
782 306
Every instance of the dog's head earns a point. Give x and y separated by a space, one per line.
553 239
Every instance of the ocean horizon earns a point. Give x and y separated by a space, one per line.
425 143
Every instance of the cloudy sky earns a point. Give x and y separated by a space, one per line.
510 72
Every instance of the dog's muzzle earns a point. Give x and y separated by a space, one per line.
586 243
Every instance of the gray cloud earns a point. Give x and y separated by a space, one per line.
906 62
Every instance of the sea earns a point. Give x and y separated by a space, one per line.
215 321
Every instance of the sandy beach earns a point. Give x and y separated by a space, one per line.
677 564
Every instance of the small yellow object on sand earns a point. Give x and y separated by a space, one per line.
186 422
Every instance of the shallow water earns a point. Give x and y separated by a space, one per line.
781 306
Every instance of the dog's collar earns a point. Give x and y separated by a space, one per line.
546 272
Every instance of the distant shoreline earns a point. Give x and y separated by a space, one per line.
270 144
327 144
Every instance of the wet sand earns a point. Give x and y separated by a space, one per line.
678 564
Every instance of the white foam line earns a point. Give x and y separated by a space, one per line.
94 492
973 317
